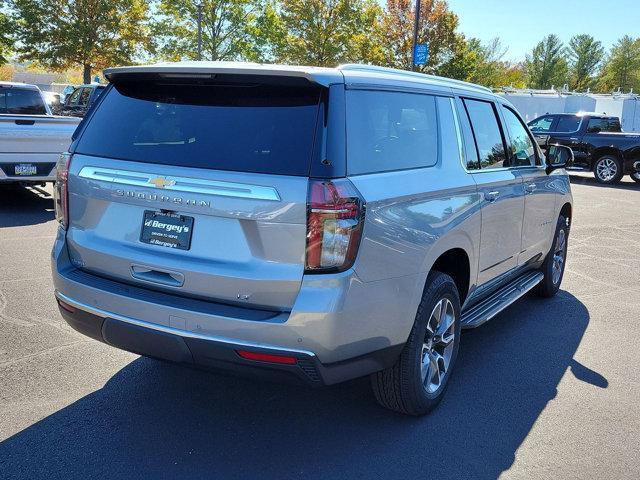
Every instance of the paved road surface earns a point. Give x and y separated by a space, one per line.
549 389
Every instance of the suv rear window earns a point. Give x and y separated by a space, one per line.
21 101
242 127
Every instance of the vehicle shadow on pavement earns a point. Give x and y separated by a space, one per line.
155 420
24 206
591 182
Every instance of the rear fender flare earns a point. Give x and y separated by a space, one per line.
454 240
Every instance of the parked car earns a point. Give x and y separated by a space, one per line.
598 142
31 138
80 100
322 224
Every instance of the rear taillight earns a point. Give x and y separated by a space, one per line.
61 191
335 214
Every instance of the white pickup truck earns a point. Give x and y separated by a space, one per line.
31 138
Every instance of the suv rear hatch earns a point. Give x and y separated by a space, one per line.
197 186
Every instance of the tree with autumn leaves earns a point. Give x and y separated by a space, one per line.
89 34
93 34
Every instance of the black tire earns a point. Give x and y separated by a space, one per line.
549 285
599 174
635 177
401 387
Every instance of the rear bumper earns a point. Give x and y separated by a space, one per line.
45 164
28 179
220 354
339 328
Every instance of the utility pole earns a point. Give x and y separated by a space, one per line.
416 24
199 30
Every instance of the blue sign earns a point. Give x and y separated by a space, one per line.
420 54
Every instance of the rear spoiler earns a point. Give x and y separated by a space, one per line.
227 71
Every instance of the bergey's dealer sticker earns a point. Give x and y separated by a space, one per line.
167 229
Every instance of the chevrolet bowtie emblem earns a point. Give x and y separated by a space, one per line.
160 182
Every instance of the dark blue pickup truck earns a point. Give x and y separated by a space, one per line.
598 143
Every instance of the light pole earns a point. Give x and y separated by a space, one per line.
416 22
199 30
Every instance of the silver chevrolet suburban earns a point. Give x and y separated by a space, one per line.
308 223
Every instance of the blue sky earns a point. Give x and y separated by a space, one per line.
521 24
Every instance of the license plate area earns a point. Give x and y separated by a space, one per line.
25 169
166 229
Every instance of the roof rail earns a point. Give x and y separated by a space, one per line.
395 71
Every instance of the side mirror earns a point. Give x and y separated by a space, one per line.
558 156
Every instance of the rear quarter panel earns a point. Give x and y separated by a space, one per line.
412 218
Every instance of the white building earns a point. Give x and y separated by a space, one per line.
534 103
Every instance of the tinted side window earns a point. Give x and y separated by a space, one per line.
390 131
3 100
603 125
84 97
471 153
20 101
73 99
523 150
486 132
568 123
542 124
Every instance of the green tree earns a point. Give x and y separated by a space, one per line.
514 76
489 68
547 66
437 26
585 54
6 42
271 34
93 34
622 67
484 64
328 32
229 29
463 62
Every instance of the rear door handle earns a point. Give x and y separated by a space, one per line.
530 188
25 122
162 277
491 196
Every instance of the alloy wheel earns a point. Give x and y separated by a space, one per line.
559 253
437 348
606 169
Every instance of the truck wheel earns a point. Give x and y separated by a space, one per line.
417 382
553 266
635 177
608 170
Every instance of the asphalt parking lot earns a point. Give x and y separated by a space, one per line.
548 389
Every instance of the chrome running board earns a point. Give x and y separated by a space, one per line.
495 303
